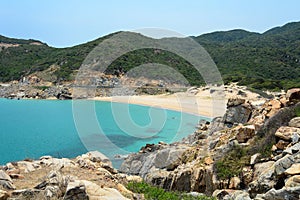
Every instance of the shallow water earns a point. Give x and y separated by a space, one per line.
32 128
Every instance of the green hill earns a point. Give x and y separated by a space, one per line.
264 61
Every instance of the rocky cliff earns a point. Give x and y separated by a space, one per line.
252 152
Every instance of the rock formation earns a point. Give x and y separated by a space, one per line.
260 142
89 176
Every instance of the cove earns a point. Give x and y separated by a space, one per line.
33 128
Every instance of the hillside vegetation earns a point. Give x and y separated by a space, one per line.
263 61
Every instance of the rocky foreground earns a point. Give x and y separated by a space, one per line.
89 176
252 152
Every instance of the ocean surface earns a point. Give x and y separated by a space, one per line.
33 128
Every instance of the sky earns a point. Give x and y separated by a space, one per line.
64 23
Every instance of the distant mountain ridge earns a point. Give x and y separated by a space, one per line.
270 60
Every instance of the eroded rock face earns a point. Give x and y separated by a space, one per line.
263 177
142 163
184 178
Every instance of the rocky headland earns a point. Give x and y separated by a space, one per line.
252 152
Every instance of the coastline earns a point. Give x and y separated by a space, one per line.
191 104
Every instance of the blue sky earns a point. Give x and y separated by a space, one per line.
63 23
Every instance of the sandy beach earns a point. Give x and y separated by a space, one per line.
203 102
200 104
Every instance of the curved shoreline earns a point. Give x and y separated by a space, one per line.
195 105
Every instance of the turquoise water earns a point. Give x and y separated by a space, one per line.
32 128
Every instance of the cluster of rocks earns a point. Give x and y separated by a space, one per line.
89 176
20 91
190 165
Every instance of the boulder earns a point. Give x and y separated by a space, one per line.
272 107
235 102
134 178
240 195
4 176
244 133
293 170
286 162
292 149
293 95
281 194
226 194
293 181
281 144
159 177
286 132
5 181
27 166
58 163
182 180
216 124
262 177
165 157
76 190
87 190
237 114
96 156
3 195
54 185
295 122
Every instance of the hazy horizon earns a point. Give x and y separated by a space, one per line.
68 23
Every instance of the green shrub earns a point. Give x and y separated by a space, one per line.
42 87
232 163
155 193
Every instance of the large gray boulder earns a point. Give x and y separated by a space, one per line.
286 162
143 162
263 177
285 193
238 111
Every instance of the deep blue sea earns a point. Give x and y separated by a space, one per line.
32 128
